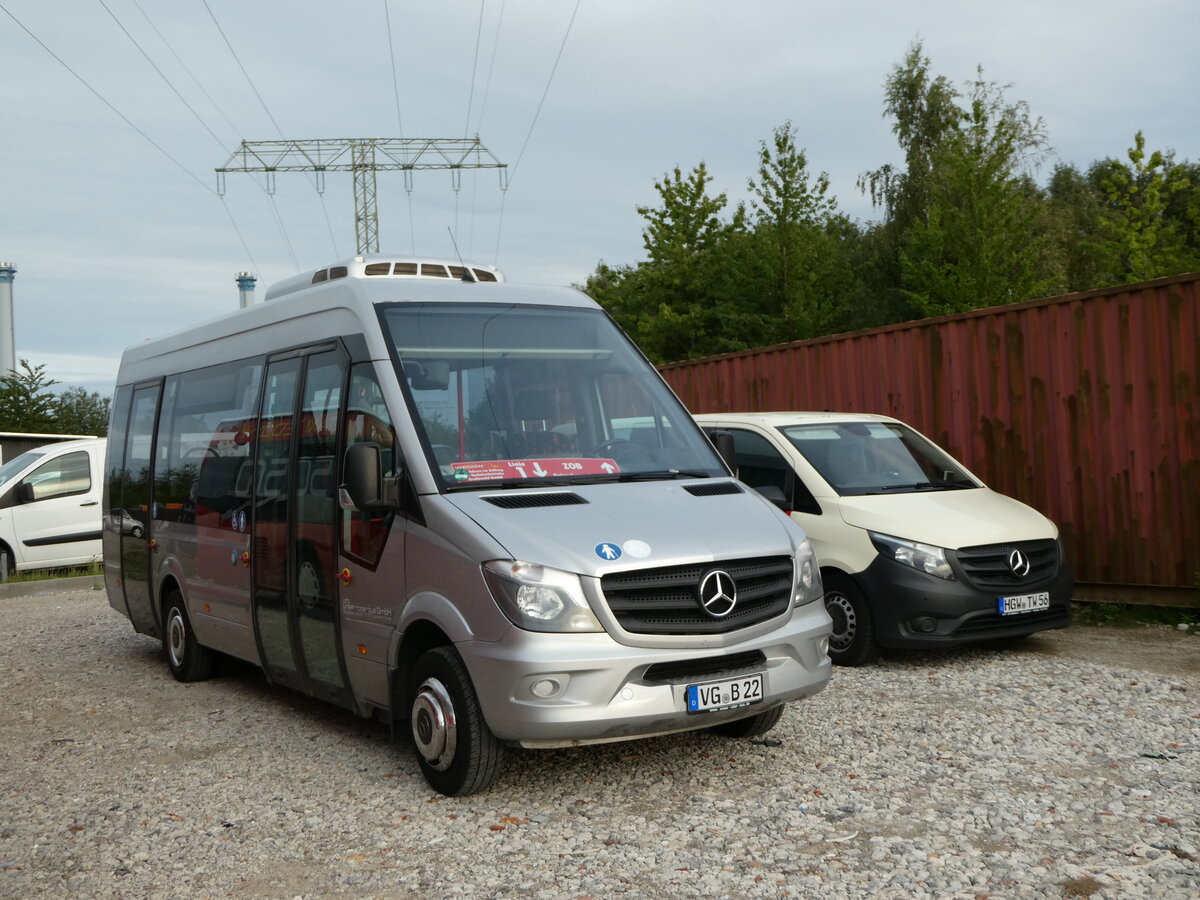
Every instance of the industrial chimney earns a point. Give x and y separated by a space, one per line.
8 339
245 283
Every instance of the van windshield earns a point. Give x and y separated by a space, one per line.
19 464
511 394
876 458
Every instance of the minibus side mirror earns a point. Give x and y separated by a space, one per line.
364 480
24 492
723 441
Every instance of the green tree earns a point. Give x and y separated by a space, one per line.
76 411
670 304
26 403
981 241
794 276
1136 240
923 109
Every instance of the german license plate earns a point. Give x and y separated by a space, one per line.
728 693
1023 603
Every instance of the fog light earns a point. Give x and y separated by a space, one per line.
925 625
544 688
823 646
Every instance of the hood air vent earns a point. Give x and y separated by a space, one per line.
713 490
532 501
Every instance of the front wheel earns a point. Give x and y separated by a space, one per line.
751 726
852 641
457 752
187 658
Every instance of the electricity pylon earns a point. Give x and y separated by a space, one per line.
363 157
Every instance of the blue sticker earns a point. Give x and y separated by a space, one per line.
608 551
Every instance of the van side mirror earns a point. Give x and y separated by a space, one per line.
775 494
364 480
24 492
723 441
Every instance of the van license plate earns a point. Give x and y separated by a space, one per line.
1023 603
729 693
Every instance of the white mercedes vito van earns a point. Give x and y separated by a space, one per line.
50 505
914 550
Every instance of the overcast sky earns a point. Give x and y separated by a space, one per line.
109 208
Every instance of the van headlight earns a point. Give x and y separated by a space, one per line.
538 598
807 586
921 557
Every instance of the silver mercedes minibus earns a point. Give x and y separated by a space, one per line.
468 507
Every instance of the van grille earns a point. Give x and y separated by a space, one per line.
987 566
696 669
665 601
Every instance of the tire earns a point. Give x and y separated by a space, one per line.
751 726
852 642
457 752
187 659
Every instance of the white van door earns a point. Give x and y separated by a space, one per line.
56 519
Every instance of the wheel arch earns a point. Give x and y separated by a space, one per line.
419 637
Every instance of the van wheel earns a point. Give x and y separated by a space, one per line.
187 658
751 726
456 750
852 642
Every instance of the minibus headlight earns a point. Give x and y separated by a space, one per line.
808 576
921 557
538 598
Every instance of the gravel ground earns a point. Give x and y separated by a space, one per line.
1064 766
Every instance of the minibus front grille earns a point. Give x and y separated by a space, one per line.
686 670
532 501
989 567
713 490
666 600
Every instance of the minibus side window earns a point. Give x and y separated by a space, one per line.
367 421
205 441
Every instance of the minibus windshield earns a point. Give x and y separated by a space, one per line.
533 395
876 458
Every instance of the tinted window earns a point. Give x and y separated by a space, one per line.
367 421
205 443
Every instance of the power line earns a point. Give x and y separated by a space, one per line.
474 69
184 66
412 229
105 101
541 102
279 131
166 80
553 69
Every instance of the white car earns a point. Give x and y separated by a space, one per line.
914 550
50 505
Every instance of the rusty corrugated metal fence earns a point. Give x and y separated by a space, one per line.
1086 407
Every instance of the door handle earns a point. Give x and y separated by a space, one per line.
90 503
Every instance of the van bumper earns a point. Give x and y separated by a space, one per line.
914 609
596 690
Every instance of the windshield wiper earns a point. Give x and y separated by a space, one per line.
927 486
566 480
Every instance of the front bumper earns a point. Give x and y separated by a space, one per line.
557 690
905 602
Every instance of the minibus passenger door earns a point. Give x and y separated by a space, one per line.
137 540
295 525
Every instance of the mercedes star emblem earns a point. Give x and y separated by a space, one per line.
1019 563
718 593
